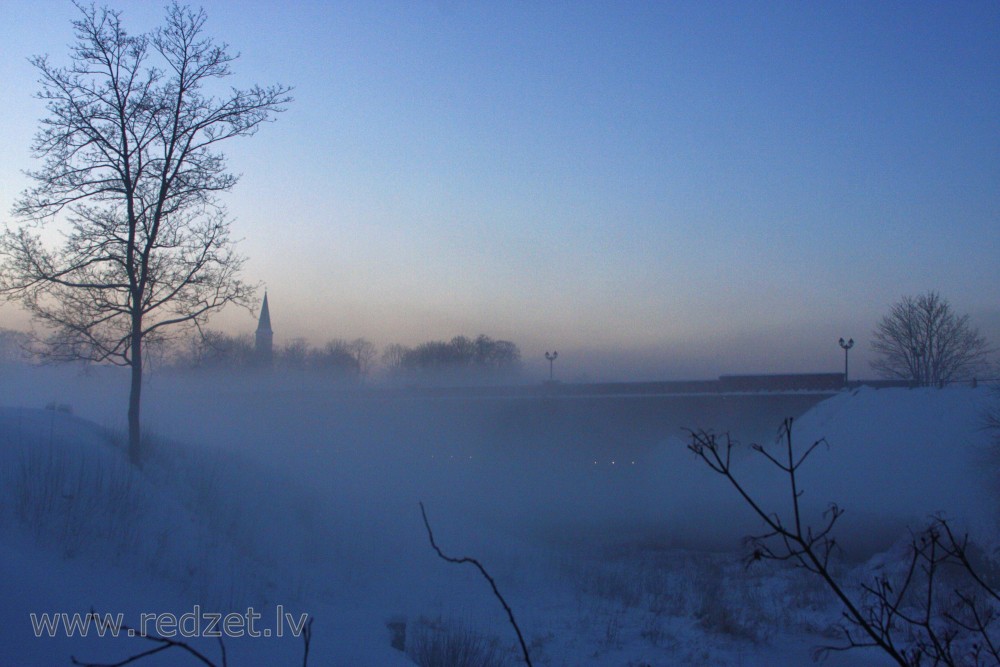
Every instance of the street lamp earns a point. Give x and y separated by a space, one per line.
847 345
551 358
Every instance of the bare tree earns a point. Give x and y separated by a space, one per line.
392 357
209 349
294 355
335 358
461 352
496 354
923 340
131 159
13 346
364 352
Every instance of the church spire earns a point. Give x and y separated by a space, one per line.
264 323
264 336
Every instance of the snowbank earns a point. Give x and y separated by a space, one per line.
318 511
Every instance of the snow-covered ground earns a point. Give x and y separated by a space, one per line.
264 498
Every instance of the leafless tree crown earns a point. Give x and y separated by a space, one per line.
921 339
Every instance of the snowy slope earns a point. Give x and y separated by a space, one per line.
82 530
897 456
206 526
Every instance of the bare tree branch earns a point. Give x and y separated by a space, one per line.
486 575
166 643
915 618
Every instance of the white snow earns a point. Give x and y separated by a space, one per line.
259 498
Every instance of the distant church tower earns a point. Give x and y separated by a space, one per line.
263 343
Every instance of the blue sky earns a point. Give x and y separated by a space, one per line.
654 189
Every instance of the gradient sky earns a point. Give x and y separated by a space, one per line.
657 190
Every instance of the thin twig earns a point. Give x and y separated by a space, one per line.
482 570
165 643
307 639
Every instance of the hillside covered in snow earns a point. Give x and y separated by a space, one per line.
314 511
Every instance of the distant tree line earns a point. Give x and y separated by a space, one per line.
14 346
215 350
459 357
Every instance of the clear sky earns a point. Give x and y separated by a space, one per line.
656 190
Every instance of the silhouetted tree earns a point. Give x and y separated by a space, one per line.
336 358
364 352
923 340
392 357
13 346
462 352
438 355
496 354
131 157
216 350
293 355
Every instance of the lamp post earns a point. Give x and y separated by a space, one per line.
847 345
551 358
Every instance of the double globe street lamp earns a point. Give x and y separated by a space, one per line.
551 357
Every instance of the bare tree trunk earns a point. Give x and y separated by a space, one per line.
134 400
